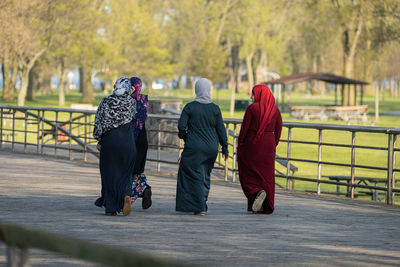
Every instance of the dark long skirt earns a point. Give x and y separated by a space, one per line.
117 158
193 184
257 169
141 151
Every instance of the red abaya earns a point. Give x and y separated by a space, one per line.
256 152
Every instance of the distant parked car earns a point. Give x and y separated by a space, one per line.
159 84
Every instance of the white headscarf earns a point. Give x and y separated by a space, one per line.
202 89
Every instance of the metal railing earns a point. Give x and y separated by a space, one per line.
68 132
20 239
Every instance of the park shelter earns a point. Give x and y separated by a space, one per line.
349 89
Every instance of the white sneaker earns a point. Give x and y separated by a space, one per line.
258 201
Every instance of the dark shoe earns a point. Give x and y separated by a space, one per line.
127 206
111 214
258 201
201 213
146 201
100 202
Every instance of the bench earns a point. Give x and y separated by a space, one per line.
345 113
358 180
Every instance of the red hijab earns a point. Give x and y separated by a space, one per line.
263 96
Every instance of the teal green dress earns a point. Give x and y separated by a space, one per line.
202 128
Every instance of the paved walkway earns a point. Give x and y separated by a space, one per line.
57 196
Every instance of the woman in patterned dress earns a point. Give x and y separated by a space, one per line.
114 132
140 187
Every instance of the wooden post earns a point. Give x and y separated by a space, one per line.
336 93
342 91
355 95
362 95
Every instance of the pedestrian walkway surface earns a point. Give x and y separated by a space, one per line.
57 195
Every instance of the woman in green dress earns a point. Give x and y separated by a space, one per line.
202 128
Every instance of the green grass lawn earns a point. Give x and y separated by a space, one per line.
377 158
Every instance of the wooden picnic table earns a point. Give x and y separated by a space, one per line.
358 180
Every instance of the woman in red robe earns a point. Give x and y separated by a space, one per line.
258 138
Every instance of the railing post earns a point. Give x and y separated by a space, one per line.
13 131
15 260
226 161
57 135
394 166
234 151
1 127
38 132
70 133
42 135
319 160
26 131
85 147
353 155
389 199
158 145
288 155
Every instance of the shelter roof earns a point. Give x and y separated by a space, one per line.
307 76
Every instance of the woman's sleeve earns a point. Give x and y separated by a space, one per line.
278 128
97 133
183 123
245 125
221 131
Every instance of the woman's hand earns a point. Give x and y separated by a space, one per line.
98 146
226 156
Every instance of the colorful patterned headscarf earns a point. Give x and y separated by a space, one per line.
142 106
122 86
137 83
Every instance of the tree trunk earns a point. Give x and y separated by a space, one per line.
262 64
350 49
12 83
392 89
31 85
8 92
81 84
87 90
234 60
149 84
24 75
250 77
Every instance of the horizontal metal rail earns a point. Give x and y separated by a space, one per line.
20 239
71 130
